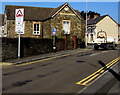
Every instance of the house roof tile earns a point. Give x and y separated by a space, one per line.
96 20
33 13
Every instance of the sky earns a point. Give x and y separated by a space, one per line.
110 8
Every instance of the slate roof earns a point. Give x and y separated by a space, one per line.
31 13
96 20
118 25
34 13
1 19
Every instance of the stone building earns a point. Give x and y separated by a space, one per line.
38 22
1 25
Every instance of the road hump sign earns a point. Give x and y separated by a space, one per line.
19 21
19 13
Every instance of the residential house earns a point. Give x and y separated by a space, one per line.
119 33
1 25
39 22
102 23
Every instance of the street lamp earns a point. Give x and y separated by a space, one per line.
86 23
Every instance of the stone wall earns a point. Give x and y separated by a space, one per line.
77 26
28 29
11 29
0 49
9 48
29 47
46 25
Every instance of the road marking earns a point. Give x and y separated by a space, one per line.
96 74
53 57
94 54
102 52
78 93
107 51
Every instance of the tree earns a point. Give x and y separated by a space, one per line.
90 14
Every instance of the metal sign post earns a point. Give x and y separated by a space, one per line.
54 33
19 26
54 43
19 45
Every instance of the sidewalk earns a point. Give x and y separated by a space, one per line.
39 57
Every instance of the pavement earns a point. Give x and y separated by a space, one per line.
38 57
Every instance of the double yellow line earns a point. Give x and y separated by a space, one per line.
53 57
96 74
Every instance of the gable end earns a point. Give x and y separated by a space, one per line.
66 4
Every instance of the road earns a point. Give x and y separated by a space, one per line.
57 75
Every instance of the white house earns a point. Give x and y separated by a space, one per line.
102 23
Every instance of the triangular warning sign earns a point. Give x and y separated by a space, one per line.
19 13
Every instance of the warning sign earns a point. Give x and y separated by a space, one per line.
19 24
19 13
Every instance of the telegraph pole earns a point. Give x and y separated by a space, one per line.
86 23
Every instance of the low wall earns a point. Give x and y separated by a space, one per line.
29 47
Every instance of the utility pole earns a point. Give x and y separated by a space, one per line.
86 24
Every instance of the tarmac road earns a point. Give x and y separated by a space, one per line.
58 75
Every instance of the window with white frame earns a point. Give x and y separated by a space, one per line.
36 28
66 27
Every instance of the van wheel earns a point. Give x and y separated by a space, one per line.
114 47
107 47
96 47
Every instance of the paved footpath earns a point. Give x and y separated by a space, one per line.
40 57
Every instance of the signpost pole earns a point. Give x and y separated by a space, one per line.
19 25
19 45
54 42
54 34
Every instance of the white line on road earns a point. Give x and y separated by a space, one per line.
101 52
107 51
94 54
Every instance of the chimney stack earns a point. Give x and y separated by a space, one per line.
96 15
88 17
